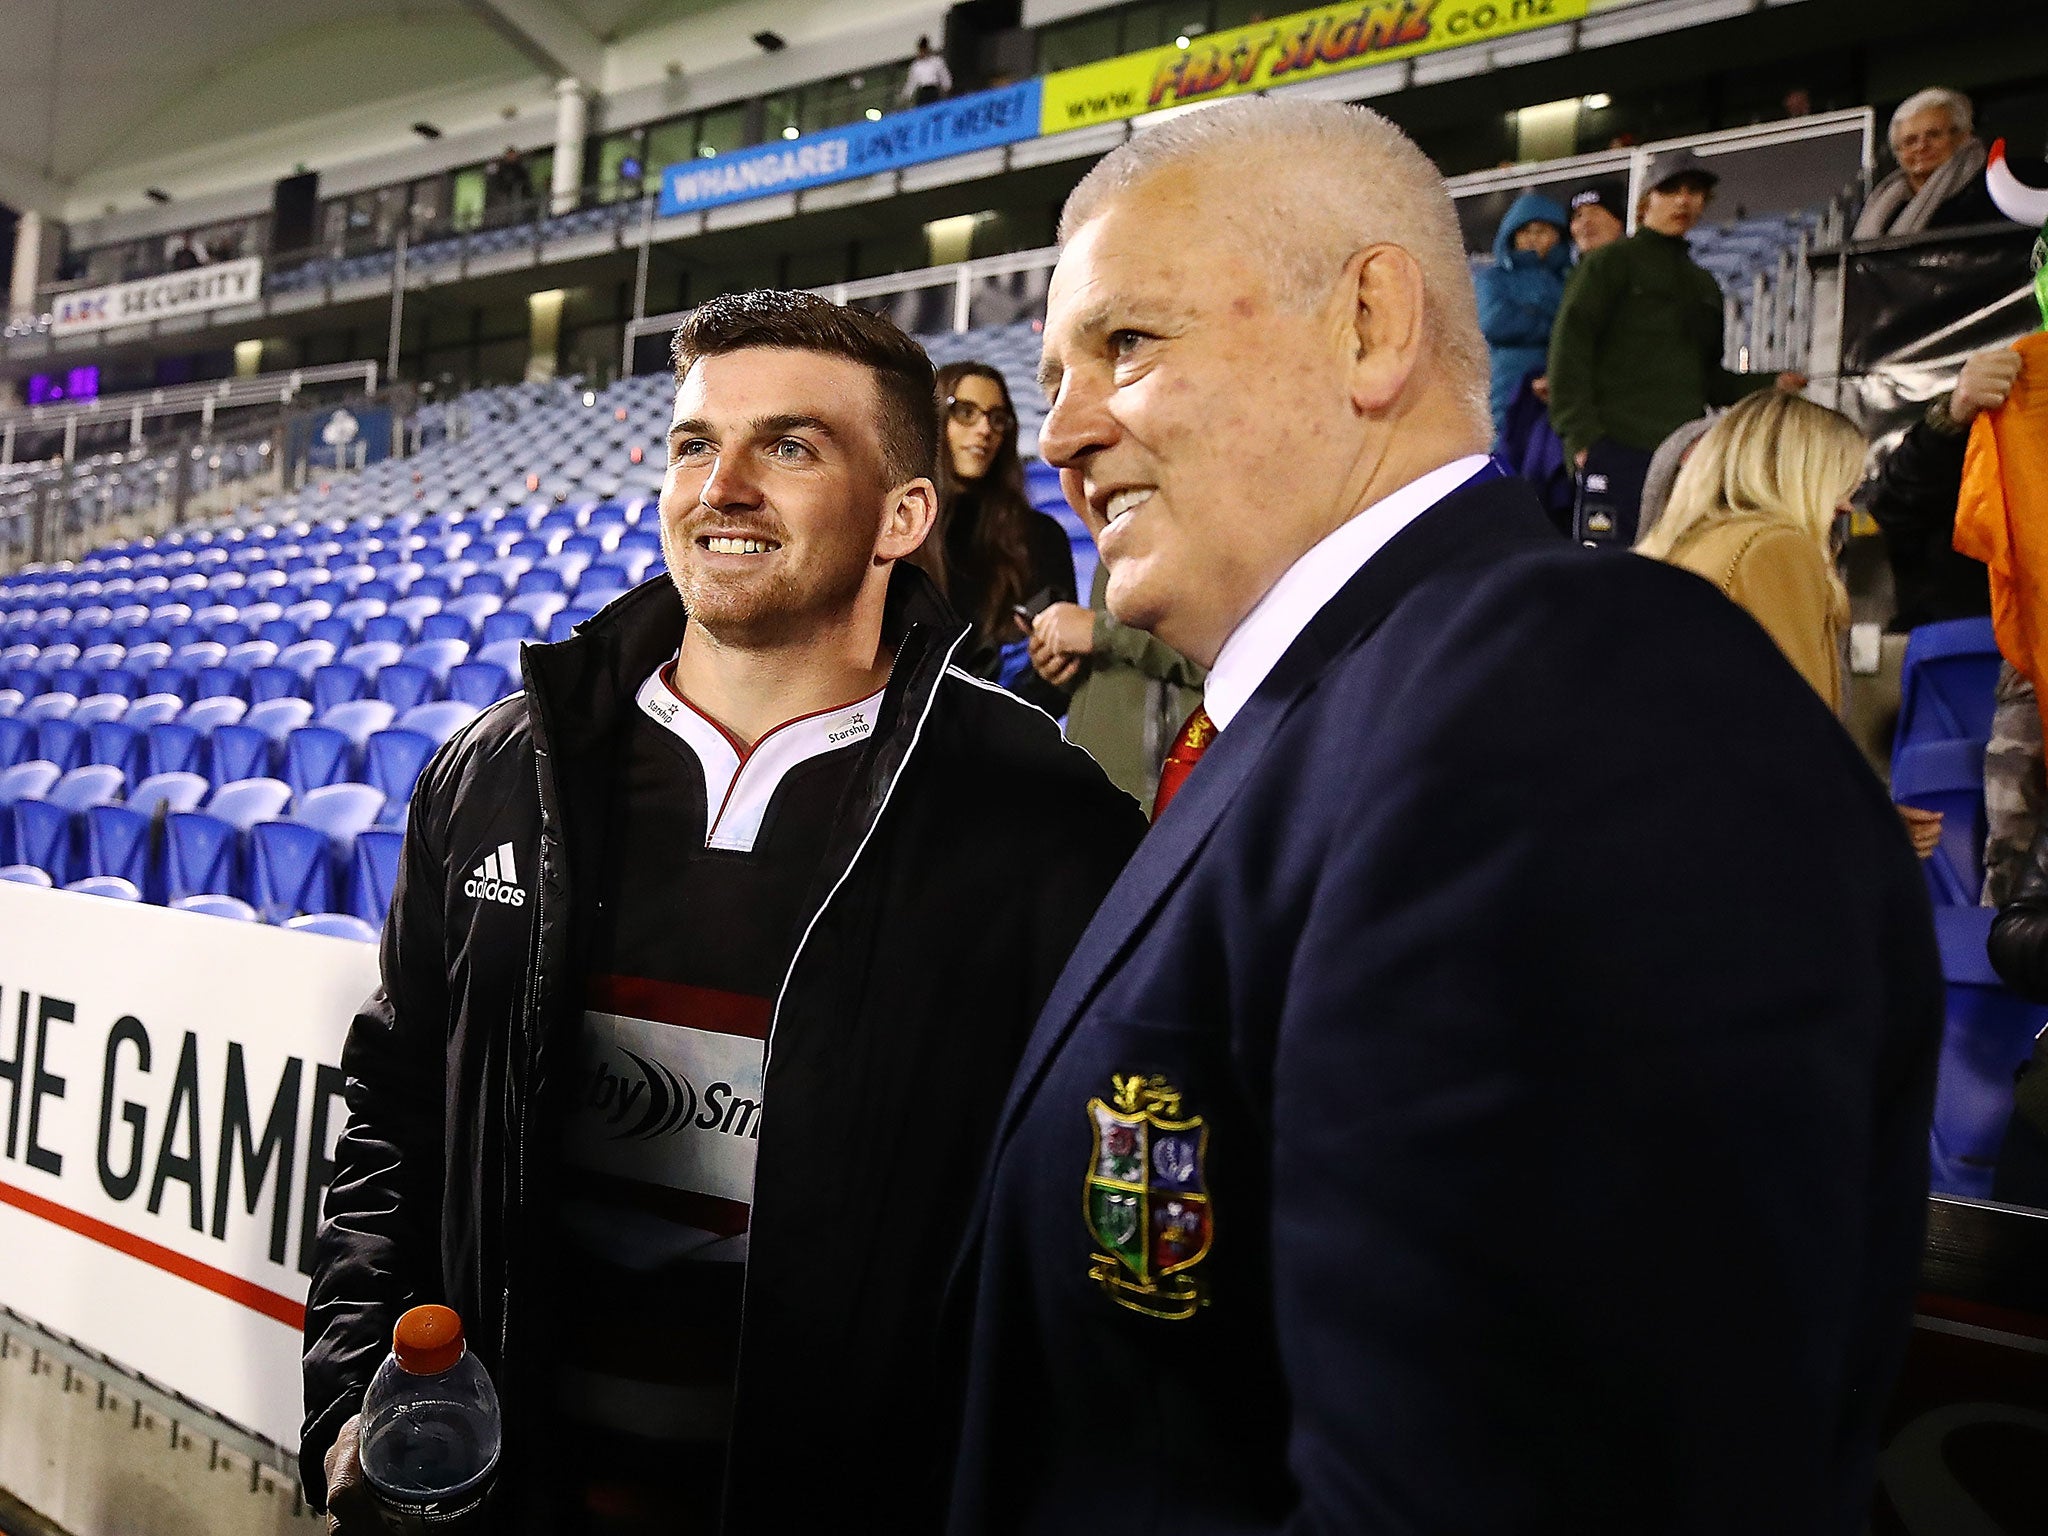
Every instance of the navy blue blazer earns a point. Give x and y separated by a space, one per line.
1493 1099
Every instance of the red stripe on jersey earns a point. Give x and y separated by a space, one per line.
675 1002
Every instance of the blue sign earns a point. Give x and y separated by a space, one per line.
980 121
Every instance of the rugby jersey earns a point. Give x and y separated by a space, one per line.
709 874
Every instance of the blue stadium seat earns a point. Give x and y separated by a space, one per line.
402 685
62 742
153 709
479 683
17 738
222 682
1947 684
125 839
112 886
506 625
20 782
316 755
204 849
10 701
1948 776
275 682
358 718
387 628
297 863
238 752
373 871
563 624
217 906
118 743
392 761
335 925
28 874
48 706
1988 1035
47 831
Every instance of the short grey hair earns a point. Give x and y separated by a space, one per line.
1954 103
1372 186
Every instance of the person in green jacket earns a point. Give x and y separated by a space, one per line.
1636 350
1131 692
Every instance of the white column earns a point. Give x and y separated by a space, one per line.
572 120
28 264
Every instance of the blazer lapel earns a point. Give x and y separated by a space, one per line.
1473 524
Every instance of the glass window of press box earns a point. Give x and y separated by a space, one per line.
1149 24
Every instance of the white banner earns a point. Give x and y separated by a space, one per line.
157 298
171 1092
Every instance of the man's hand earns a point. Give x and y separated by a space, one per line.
1579 458
1923 827
1983 385
1540 388
1791 382
351 1507
1067 628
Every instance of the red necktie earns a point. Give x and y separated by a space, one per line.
1194 739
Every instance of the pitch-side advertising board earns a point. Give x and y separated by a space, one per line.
170 1096
159 298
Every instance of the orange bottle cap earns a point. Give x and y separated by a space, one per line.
427 1340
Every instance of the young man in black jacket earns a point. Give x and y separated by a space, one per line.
709 962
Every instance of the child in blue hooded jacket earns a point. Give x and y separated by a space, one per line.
1519 294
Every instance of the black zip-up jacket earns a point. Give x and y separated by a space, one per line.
973 848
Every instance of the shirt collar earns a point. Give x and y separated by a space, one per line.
1263 636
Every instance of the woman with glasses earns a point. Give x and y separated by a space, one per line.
992 551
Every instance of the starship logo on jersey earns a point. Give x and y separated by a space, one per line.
497 879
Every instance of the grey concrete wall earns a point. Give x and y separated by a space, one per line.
98 1454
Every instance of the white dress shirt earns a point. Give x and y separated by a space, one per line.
1257 644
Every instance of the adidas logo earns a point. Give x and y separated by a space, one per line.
496 879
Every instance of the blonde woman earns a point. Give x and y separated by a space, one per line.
1753 511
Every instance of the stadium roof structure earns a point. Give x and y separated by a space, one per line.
101 100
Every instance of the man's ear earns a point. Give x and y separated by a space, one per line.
907 519
1384 290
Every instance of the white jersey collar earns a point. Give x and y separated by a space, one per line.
739 786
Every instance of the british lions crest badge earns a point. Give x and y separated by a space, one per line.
1148 1198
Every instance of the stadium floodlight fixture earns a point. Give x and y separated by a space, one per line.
770 42
790 132
1599 101
1182 41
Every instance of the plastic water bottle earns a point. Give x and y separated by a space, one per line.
431 1428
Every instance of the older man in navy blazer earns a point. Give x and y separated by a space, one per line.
1495 1097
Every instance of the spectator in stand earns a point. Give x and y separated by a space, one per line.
1519 295
927 80
1597 219
992 552
1131 692
1662 476
2019 952
1753 511
183 257
507 183
1913 499
1636 350
1939 183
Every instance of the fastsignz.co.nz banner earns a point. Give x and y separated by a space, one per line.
170 1095
1303 46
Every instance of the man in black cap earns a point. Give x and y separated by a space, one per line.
1636 351
1597 219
